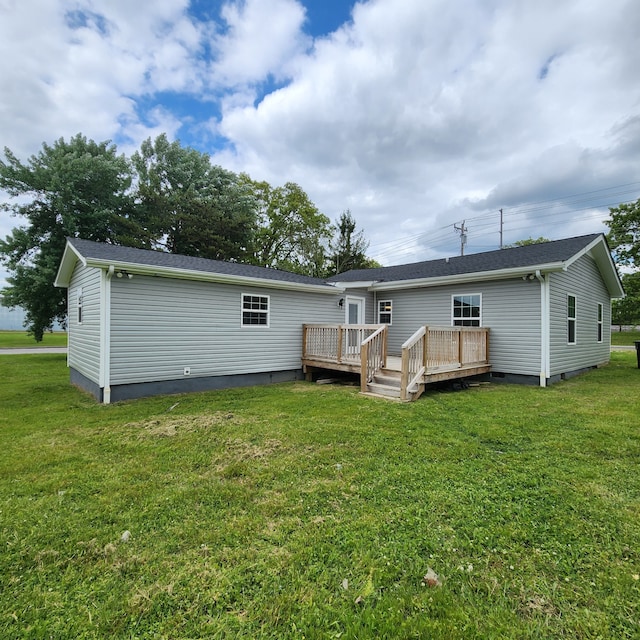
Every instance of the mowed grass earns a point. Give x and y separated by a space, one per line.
624 337
309 511
21 339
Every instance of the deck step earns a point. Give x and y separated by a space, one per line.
383 390
387 378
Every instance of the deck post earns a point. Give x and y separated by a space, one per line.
384 347
364 372
460 345
339 354
404 376
304 341
425 348
486 345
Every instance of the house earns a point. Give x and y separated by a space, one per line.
547 306
145 322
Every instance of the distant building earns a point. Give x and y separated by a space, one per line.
13 319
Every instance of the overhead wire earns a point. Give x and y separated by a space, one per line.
441 236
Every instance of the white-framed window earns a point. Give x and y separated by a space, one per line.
79 303
255 310
466 310
385 311
600 318
571 319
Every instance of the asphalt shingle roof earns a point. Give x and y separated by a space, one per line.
120 254
527 256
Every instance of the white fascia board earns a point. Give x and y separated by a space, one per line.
469 278
599 251
202 276
69 258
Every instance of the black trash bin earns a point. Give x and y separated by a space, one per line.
637 343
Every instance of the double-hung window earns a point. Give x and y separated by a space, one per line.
255 310
466 310
79 303
571 319
385 308
600 321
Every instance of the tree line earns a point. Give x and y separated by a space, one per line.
165 197
624 239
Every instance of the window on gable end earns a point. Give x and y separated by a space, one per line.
571 319
600 321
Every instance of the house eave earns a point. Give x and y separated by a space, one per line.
135 268
599 251
69 259
468 278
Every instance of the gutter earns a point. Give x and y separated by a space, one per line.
203 276
105 333
466 278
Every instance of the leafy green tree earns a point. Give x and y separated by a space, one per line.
624 232
526 242
291 233
349 248
627 310
190 206
78 188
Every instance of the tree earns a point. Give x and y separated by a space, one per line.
348 248
77 188
624 232
190 206
627 310
291 232
526 242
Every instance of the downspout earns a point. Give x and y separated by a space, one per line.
545 330
105 334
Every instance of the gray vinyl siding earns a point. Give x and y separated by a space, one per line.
159 326
84 339
510 309
582 280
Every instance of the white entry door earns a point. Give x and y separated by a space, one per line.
354 310
354 315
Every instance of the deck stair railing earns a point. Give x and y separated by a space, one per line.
433 349
373 356
414 355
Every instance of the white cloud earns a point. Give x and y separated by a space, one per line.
428 106
413 114
260 39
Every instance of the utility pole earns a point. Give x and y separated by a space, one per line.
463 236
501 228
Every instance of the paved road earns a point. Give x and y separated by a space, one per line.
13 352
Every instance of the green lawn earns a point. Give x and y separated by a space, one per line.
309 511
21 339
624 337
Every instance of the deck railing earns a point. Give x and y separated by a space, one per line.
373 356
338 343
433 349
413 361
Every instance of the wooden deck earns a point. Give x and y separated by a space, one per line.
432 354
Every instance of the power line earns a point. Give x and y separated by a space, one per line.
395 247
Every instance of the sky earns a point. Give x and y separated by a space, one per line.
418 116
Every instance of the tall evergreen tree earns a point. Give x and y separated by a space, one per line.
349 248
